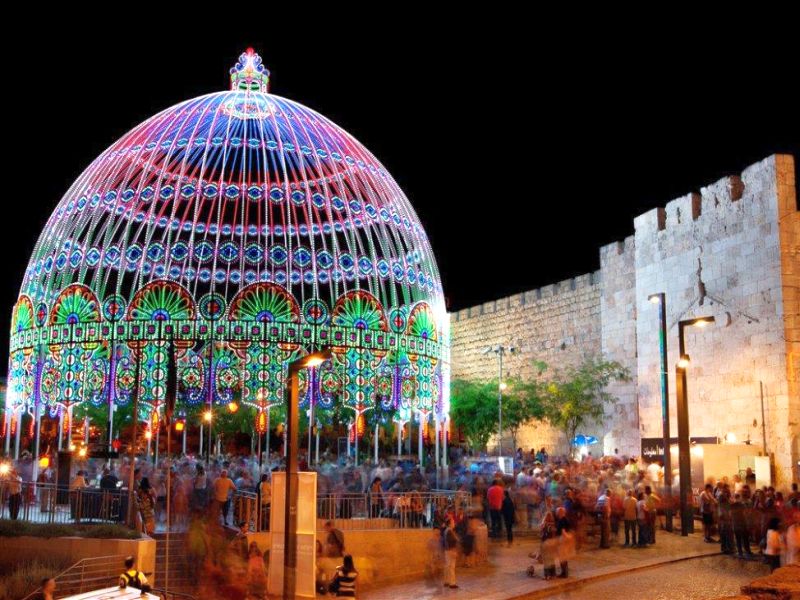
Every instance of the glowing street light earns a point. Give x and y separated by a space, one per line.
290 503
233 407
207 416
660 300
500 351
684 445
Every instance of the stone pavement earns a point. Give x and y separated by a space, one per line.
505 577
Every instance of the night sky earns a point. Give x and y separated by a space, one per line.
522 151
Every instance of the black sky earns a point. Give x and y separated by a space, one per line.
522 144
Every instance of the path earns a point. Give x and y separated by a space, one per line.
505 578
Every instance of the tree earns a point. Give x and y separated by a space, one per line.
577 396
474 407
522 403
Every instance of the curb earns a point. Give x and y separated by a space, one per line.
568 585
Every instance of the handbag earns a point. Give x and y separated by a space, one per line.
333 586
566 550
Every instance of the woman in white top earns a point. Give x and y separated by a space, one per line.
772 552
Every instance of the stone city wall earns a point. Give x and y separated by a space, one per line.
729 251
558 324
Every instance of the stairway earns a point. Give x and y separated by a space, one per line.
180 573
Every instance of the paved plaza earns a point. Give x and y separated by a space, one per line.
504 577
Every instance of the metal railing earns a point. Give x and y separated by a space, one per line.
86 575
170 595
245 508
50 503
388 510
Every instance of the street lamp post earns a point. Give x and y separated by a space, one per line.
682 404
661 300
208 417
500 351
291 491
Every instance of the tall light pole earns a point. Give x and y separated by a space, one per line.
684 448
661 300
290 503
500 351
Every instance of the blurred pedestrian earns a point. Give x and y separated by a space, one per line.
793 540
450 547
146 503
265 501
549 544
774 546
256 573
566 541
494 497
652 501
603 510
739 523
630 518
725 518
707 505
641 517
14 490
48 586
509 511
334 541
223 489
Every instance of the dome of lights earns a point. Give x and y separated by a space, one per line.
227 235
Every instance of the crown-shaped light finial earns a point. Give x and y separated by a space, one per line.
249 74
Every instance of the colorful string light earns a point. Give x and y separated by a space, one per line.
237 230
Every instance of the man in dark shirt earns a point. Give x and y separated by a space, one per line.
750 477
740 530
108 481
334 540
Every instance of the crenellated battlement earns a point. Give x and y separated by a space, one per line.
682 213
553 290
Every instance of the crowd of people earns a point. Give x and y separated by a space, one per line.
571 505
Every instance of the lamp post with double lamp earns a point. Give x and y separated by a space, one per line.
500 351
661 300
682 404
290 503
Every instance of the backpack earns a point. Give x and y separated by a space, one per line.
130 580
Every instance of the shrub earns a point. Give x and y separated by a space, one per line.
9 528
19 580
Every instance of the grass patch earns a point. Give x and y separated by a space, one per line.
20 579
9 528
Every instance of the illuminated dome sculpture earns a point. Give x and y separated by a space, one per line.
241 226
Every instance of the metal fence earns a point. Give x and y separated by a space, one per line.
86 575
50 503
388 510
91 574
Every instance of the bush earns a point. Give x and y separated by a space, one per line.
9 528
19 580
